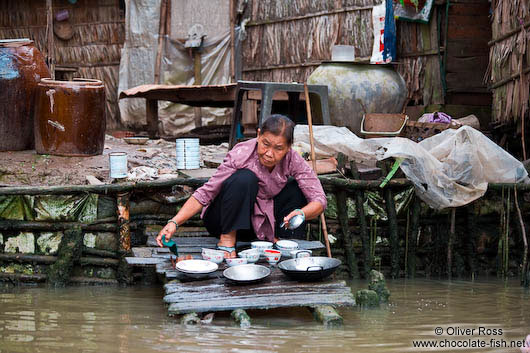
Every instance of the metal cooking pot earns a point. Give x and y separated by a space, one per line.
309 268
245 274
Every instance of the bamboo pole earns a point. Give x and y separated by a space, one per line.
50 37
313 160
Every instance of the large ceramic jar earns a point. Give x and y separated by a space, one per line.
70 117
355 89
21 67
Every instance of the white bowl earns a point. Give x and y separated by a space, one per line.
261 245
252 255
236 261
273 256
287 245
216 256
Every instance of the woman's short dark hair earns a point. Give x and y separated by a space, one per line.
279 125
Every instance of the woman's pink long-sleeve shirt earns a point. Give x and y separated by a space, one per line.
244 156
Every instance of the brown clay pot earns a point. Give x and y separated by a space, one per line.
21 67
70 117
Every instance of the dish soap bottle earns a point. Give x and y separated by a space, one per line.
171 245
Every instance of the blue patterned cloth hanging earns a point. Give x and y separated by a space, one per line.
389 52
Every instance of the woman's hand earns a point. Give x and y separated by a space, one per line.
310 211
291 215
167 232
190 207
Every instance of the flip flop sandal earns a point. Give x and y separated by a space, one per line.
228 249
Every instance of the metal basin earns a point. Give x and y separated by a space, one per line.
309 268
245 274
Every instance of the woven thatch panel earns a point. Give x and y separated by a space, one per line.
95 48
286 40
509 57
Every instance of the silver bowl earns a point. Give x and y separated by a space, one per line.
245 274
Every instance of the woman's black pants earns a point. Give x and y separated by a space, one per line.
234 205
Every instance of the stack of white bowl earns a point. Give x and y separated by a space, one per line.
188 153
286 246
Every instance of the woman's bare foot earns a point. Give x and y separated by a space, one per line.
227 242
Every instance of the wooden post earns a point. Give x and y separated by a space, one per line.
413 237
363 226
392 227
232 41
241 317
198 81
342 214
152 118
69 252
124 273
471 238
50 37
190 319
450 244
161 33
327 315
524 277
123 222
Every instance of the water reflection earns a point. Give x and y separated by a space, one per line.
103 319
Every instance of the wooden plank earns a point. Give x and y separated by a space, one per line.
230 297
468 30
466 48
475 65
144 261
278 283
230 292
276 278
195 244
461 81
469 9
267 302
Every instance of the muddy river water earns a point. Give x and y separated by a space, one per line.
453 314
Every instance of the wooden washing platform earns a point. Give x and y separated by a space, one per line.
215 293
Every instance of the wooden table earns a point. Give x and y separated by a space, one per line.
221 96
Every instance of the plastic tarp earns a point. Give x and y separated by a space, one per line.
17 207
450 169
80 208
138 62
